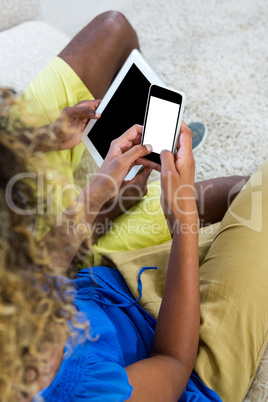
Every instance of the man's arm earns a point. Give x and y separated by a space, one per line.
66 131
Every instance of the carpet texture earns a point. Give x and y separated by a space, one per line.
215 52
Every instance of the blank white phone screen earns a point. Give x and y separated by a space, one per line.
161 124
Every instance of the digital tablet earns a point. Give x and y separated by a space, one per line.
123 105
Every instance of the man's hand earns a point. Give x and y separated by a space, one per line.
72 121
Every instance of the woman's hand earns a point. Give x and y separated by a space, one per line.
72 121
125 152
177 181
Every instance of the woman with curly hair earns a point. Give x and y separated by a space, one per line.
37 315
88 338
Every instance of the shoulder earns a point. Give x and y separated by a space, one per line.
85 375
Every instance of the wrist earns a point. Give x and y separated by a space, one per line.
185 215
94 198
183 221
186 226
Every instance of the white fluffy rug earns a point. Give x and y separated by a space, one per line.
216 52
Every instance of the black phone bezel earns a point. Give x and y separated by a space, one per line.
165 94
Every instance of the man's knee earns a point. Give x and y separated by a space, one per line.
116 24
115 20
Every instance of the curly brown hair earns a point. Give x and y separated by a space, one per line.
35 309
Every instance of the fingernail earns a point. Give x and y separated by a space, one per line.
149 147
163 150
97 114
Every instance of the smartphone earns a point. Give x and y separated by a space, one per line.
162 121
